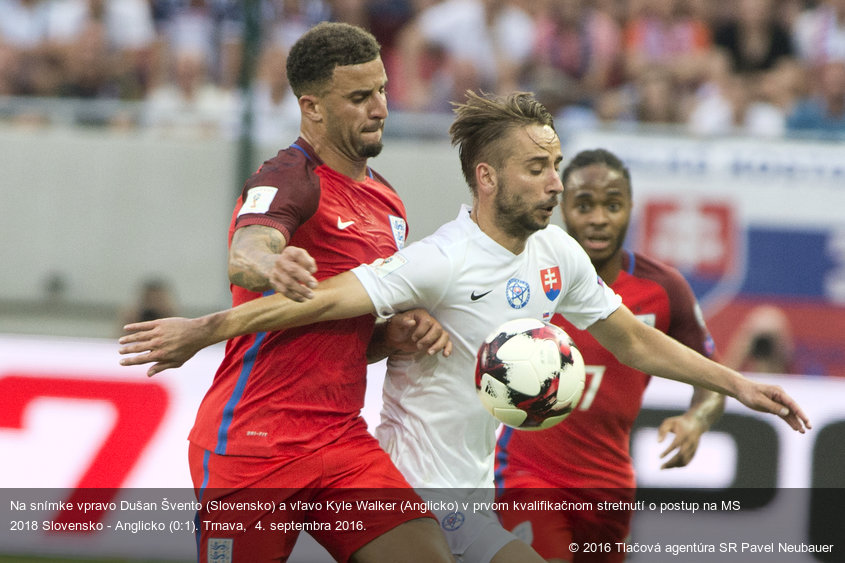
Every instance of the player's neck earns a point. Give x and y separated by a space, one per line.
610 268
512 243
335 159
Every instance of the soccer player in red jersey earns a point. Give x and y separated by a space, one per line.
586 458
278 439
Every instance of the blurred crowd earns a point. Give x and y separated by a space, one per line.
765 68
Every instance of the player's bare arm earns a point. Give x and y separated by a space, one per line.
410 332
169 343
259 259
647 349
705 408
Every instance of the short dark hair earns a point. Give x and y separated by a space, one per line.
483 120
313 58
596 156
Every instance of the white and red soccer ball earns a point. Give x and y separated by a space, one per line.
529 374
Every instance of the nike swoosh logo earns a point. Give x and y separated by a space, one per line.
477 296
343 224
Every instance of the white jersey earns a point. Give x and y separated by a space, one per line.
432 423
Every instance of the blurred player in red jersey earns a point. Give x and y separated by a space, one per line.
586 458
281 421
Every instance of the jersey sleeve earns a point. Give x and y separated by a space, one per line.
282 194
586 298
687 324
414 277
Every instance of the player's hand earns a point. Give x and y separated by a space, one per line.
773 399
687 433
166 343
290 273
416 330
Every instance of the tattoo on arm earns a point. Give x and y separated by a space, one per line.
251 248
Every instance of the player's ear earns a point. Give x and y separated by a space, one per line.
309 106
485 178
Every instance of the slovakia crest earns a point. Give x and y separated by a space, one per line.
551 282
518 293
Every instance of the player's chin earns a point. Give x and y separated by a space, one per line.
543 218
370 149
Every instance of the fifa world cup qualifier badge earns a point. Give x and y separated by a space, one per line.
258 200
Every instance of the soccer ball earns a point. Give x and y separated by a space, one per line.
529 374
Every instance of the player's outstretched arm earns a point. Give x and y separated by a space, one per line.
705 408
169 343
649 350
408 333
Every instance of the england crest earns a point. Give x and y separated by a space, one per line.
398 226
551 282
220 550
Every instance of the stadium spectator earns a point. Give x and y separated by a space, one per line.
823 111
763 343
567 51
498 250
778 89
654 98
108 47
275 108
667 34
211 29
155 300
288 20
475 44
89 70
819 33
283 413
386 19
353 12
29 63
755 39
190 104
729 103
577 54
596 208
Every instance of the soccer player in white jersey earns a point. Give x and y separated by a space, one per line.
499 260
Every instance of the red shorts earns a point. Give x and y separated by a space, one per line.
253 508
550 531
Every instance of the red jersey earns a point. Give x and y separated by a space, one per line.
287 393
590 448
